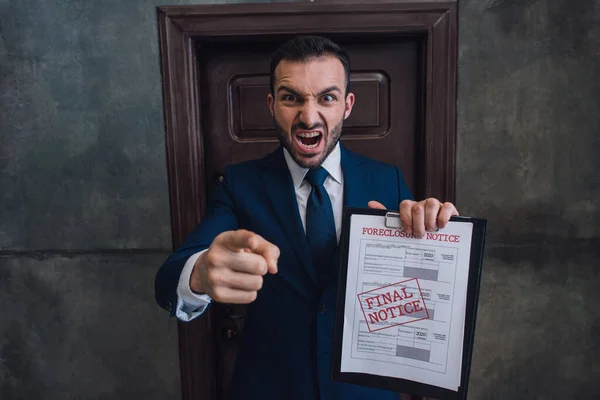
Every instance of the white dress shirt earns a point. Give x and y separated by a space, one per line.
190 305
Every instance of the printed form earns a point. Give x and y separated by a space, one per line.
405 302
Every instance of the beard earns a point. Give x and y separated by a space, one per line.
330 140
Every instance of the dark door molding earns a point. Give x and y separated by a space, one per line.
182 27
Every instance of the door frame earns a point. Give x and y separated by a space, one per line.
180 27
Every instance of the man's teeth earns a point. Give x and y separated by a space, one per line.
309 134
310 146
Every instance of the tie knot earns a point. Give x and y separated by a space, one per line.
316 177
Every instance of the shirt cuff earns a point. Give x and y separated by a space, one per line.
189 304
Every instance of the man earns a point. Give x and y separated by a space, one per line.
269 238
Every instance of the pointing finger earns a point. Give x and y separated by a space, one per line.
236 240
243 240
268 250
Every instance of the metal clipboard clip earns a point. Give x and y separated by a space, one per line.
392 220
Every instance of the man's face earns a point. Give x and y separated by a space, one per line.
309 107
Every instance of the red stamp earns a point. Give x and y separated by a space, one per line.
392 305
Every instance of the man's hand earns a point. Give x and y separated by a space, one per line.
424 216
232 269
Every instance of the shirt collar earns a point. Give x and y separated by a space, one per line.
332 165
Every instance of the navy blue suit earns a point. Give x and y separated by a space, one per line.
286 345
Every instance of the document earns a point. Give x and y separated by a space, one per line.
405 301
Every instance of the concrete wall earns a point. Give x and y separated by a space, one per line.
84 216
84 220
528 143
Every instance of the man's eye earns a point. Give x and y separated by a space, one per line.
328 98
288 97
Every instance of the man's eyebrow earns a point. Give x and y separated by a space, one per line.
333 88
287 89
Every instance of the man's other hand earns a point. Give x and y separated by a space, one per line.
424 216
232 269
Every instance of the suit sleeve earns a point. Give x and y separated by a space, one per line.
220 217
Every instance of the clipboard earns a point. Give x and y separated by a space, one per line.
399 385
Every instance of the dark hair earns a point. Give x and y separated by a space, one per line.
304 48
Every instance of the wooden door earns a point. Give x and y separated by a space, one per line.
216 81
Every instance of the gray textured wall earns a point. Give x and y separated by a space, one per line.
528 144
84 219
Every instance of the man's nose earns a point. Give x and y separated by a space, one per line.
309 115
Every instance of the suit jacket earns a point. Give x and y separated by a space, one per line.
286 346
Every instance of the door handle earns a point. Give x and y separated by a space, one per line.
229 333
217 179
232 322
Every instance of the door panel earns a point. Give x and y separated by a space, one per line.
238 126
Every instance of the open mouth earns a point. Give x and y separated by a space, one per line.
309 140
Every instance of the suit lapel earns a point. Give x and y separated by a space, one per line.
279 187
355 178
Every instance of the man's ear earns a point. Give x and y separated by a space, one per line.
349 104
271 102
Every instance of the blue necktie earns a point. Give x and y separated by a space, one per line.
320 224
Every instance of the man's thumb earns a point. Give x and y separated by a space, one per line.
377 205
